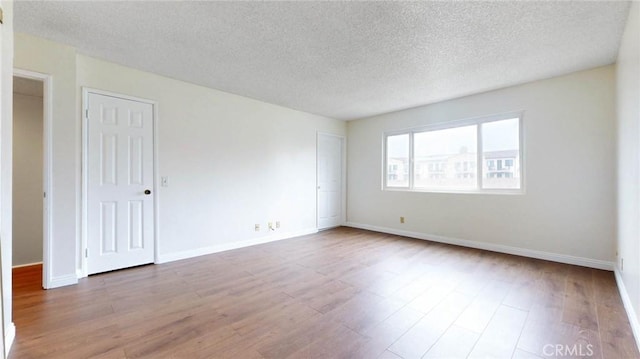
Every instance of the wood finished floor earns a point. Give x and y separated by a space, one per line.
342 293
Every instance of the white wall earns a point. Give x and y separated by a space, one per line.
569 149
57 60
231 161
628 110
6 123
27 179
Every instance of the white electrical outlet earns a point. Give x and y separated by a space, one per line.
277 224
257 227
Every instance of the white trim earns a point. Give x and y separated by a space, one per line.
522 152
628 306
63 280
480 156
87 90
524 252
344 181
82 271
156 185
83 179
9 337
164 258
26 265
47 173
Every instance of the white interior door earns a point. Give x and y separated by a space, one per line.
329 181
119 183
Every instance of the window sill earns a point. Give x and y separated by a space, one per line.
448 191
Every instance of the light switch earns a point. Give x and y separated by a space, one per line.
164 181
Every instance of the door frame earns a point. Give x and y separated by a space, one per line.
86 91
47 141
343 176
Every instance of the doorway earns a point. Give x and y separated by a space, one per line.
28 123
30 175
29 182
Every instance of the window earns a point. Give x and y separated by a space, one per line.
501 142
451 145
397 161
479 155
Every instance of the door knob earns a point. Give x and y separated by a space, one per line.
147 191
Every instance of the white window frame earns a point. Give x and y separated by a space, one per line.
477 121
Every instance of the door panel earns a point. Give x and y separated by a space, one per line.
108 148
329 181
108 225
119 170
136 157
136 236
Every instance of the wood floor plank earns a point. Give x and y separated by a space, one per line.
501 336
522 354
364 310
383 335
456 342
388 355
477 315
341 293
419 339
307 334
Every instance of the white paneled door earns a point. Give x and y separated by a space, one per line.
119 183
329 181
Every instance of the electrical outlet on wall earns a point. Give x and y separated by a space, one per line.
257 227
277 224
401 219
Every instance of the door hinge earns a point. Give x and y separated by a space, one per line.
45 194
86 113
86 252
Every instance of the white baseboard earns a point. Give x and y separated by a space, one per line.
62 281
9 337
27 265
628 306
170 257
554 257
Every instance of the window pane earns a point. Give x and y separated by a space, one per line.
446 159
398 161
501 154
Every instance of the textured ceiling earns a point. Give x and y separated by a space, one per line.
342 59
